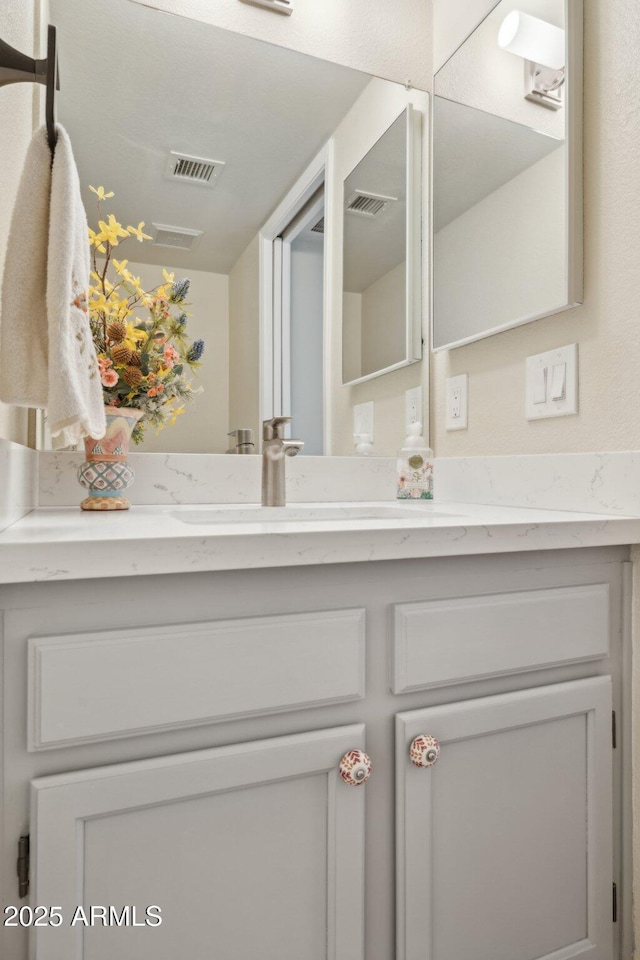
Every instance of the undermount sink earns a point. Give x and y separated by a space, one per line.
310 514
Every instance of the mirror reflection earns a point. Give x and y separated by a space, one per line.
204 135
375 287
501 174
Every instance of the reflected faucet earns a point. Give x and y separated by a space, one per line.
244 441
274 449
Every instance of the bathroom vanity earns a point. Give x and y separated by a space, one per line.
175 739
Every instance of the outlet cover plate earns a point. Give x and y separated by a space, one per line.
457 402
413 406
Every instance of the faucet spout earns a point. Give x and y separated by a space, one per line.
274 450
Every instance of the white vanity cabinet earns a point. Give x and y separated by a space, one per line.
176 741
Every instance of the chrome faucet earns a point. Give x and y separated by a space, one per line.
244 441
274 449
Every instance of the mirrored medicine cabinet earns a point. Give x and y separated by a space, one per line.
244 160
382 284
507 172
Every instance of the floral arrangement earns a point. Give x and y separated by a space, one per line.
144 354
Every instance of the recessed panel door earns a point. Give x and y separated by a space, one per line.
505 838
251 852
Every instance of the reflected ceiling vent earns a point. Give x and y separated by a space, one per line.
180 238
367 204
319 227
196 170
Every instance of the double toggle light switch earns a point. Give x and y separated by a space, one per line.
552 383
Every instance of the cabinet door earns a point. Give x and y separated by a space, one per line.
252 852
505 843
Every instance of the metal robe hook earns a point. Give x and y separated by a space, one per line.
16 67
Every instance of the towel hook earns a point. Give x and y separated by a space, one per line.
16 67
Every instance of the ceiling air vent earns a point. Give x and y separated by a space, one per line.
196 170
367 204
319 227
180 238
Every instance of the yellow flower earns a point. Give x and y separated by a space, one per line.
111 231
175 415
121 308
136 335
137 232
96 239
120 265
168 277
99 303
101 195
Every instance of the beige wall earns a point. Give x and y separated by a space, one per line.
202 428
509 248
383 320
18 27
244 341
607 327
352 335
377 107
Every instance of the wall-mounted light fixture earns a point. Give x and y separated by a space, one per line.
278 6
542 46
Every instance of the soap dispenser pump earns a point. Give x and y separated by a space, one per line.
415 467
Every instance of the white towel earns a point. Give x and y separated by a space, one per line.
24 379
75 405
47 357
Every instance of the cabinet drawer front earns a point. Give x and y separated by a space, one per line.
438 642
115 683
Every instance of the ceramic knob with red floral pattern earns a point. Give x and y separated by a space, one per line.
424 751
355 768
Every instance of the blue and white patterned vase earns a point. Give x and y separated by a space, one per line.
106 472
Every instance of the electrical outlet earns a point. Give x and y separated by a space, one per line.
413 406
456 393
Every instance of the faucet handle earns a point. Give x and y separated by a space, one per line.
273 429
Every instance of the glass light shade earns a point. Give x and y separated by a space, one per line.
533 39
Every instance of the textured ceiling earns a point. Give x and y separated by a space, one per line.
137 83
375 245
474 154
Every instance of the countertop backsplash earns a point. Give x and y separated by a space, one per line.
18 481
585 482
177 478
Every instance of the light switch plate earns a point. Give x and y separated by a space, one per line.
413 406
564 406
456 400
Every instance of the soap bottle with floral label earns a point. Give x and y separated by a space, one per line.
415 467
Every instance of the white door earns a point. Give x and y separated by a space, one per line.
252 852
298 258
505 843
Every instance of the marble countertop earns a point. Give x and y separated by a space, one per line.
66 544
